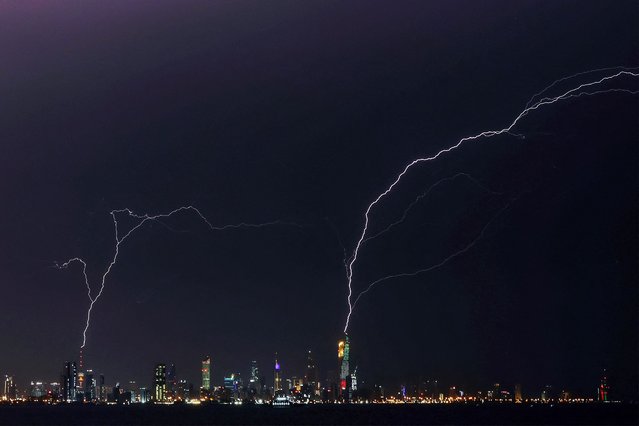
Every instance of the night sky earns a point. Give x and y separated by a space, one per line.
304 112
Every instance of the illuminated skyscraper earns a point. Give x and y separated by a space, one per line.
602 394
9 388
354 380
69 381
233 385
90 393
159 383
206 373
79 393
343 356
277 373
254 378
311 376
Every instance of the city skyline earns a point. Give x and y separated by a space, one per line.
338 384
84 386
357 193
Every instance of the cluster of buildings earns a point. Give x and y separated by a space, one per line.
78 385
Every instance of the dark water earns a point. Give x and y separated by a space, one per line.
592 414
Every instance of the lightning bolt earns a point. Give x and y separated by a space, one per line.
583 89
121 239
422 196
443 262
570 77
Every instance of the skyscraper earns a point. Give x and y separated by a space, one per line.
69 381
233 385
277 373
159 383
101 389
171 380
206 373
37 389
311 376
79 392
90 393
8 391
254 378
602 394
353 386
343 356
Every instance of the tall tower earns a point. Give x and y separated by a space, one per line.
343 357
311 374
277 373
602 394
206 373
159 383
89 386
171 380
254 378
8 392
69 381
79 393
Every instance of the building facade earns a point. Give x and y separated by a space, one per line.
343 358
69 381
277 376
206 373
159 383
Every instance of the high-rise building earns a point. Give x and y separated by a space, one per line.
79 393
233 384
354 380
604 389
8 388
518 397
69 381
277 374
37 389
102 390
159 383
145 395
431 389
171 380
254 379
54 388
547 394
311 377
133 389
206 373
496 392
184 390
90 393
343 356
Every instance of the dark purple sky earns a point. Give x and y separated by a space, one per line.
305 111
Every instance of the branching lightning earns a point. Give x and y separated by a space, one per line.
424 195
570 77
584 89
443 262
120 239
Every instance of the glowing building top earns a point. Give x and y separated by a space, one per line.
206 373
277 373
